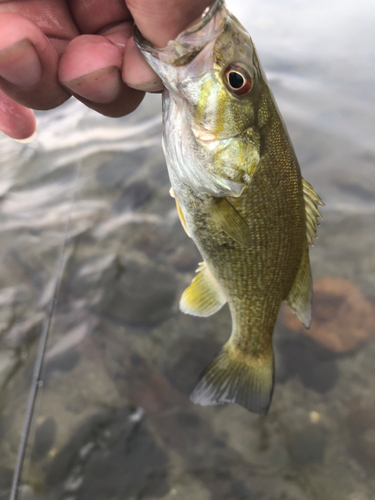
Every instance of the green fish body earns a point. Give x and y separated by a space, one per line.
240 197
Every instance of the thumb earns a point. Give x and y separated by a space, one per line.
162 20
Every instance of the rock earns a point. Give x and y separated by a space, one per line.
89 275
62 363
142 294
148 238
115 172
311 362
186 258
113 455
45 436
308 445
24 332
342 317
6 476
360 422
133 196
9 360
187 357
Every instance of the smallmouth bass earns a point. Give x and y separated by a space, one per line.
240 197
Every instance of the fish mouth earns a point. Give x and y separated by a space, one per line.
189 43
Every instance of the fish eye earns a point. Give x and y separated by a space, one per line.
238 80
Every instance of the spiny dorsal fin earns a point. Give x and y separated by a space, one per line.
179 211
234 378
203 296
312 201
231 222
300 295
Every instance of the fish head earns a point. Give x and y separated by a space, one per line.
214 81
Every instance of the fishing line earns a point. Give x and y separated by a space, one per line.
36 381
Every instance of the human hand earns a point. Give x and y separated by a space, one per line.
52 49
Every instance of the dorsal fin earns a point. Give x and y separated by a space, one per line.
203 296
300 294
312 200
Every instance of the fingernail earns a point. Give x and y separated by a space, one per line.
101 86
28 139
155 85
20 64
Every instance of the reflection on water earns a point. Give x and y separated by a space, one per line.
113 419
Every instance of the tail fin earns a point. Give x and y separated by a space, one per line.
234 378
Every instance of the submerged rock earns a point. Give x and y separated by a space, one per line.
142 294
186 258
45 436
360 422
112 455
308 445
187 357
133 196
342 317
314 364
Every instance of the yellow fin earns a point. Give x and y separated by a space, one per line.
179 211
203 296
240 379
300 295
312 201
231 222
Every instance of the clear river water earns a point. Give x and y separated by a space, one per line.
88 202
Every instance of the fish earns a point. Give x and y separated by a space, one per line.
240 196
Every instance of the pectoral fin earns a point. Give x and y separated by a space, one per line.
179 211
231 222
204 296
300 295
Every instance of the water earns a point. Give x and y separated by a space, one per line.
113 418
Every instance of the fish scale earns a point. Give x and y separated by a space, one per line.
240 196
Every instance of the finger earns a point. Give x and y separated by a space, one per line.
15 120
90 17
94 16
162 20
52 16
90 69
28 64
137 73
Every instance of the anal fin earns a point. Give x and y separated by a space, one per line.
203 296
300 295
